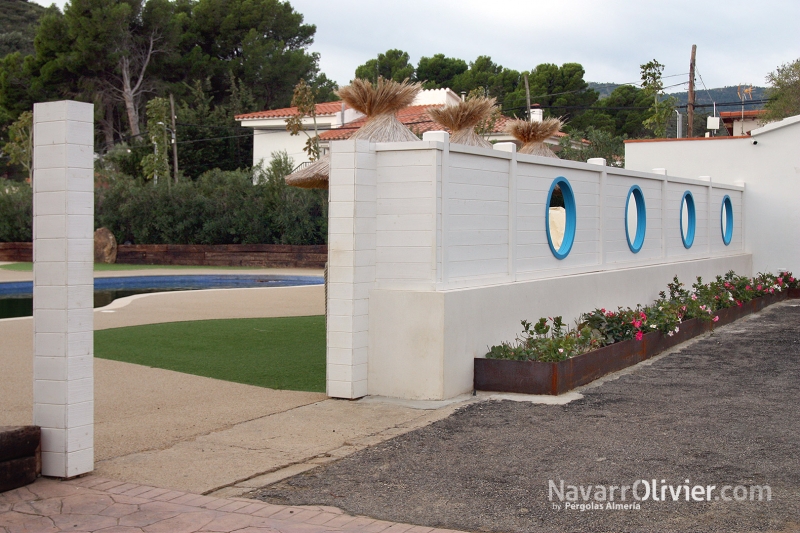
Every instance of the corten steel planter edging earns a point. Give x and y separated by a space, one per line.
536 377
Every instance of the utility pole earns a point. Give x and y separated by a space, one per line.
174 137
528 97
690 103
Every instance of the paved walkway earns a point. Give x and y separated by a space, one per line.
94 504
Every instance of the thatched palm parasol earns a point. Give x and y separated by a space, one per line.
533 134
380 103
462 118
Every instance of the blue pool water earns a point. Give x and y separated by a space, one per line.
16 298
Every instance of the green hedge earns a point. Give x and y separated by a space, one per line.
16 211
219 208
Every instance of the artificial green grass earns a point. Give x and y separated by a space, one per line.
104 267
278 353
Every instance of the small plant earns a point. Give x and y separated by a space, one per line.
547 343
601 327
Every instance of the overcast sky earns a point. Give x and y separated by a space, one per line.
737 42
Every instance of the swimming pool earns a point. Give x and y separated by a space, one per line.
16 298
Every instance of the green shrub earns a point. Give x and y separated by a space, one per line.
221 207
16 211
252 206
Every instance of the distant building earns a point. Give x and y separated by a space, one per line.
335 121
739 123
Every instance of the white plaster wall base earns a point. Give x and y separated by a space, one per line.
422 343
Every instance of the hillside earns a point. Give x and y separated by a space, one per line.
17 25
718 95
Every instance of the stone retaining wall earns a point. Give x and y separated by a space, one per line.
260 255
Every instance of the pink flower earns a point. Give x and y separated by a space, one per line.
603 310
694 297
758 288
643 316
772 291
738 303
780 281
716 318
791 279
637 323
747 288
561 350
639 335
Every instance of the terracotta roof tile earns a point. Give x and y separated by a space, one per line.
750 113
327 108
415 117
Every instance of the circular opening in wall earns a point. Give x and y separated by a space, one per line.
635 218
726 220
560 217
688 219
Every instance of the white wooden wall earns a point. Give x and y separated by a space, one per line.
434 217
451 216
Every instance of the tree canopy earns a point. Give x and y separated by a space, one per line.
246 55
784 92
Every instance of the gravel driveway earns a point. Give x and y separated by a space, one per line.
723 411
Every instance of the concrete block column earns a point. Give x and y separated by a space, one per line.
63 290
351 265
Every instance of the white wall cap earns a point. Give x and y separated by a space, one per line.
596 161
436 136
704 178
63 110
660 171
776 125
505 147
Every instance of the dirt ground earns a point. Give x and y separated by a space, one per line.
723 411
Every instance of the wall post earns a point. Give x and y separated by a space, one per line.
63 285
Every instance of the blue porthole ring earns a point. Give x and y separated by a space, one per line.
726 220
570 212
636 243
688 236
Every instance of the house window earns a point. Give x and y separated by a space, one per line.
560 217
688 220
635 219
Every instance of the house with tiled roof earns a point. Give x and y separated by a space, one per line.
335 122
742 122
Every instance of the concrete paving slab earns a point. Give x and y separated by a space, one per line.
84 505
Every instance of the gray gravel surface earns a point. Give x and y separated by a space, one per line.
722 411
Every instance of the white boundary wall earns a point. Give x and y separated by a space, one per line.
437 251
63 285
768 162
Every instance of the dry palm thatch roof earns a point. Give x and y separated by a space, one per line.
533 134
379 102
462 118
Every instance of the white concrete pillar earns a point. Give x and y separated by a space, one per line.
63 291
351 266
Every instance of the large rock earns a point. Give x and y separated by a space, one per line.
105 246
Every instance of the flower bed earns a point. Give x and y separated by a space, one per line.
555 360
